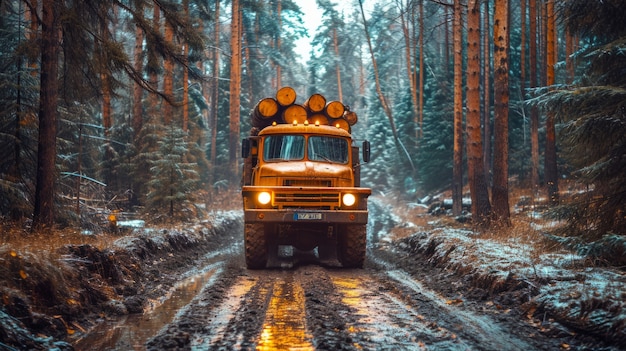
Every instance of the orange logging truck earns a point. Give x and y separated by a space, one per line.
301 181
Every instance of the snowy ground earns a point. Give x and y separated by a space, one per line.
561 286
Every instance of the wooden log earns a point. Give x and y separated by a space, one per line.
295 113
334 109
350 117
340 123
264 113
315 103
318 118
286 96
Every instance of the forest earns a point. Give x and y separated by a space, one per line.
140 105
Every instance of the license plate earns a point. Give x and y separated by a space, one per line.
308 216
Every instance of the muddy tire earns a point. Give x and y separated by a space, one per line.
352 245
256 246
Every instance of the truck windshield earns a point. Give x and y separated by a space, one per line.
319 148
329 149
283 148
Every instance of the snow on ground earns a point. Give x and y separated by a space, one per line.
562 285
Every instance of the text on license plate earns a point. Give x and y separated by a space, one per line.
307 216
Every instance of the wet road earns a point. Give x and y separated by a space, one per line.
305 307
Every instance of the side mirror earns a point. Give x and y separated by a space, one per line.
366 151
245 148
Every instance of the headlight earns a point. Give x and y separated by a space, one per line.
264 198
348 199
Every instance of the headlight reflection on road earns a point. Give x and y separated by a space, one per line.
284 327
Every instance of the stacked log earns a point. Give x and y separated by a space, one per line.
283 109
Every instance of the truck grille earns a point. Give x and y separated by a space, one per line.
320 200
307 182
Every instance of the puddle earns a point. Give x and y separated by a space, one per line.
284 327
132 331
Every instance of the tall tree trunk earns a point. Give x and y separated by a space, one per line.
105 80
337 63
420 103
408 50
279 72
153 66
446 27
486 93
235 87
137 120
551 59
500 191
381 97
215 93
43 214
186 74
481 208
569 50
534 112
457 170
523 48
168 77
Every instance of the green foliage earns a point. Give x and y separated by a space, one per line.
18 122
435 149
173 178
592 113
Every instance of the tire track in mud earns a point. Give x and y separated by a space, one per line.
385 321
312 307
479 330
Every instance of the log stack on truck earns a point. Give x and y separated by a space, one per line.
301 181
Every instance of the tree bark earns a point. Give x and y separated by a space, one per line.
137 120
337 65
457 170
168 77
551 171
487 150
534 112
235 88
500 191
479 190
279 73
215 93
153 64
186 74
43 215
410 71
420 103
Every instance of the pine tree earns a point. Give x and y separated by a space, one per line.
592 113
435 150
173 179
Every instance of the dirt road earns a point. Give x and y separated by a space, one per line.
305 305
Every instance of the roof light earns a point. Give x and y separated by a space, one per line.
306 122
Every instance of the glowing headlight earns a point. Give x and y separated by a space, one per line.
348 199
264 198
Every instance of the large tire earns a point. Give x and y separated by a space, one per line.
352 245
256 246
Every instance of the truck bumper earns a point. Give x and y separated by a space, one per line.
305 217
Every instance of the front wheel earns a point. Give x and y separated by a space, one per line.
256 246
352 245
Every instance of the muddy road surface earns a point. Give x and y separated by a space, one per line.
303 304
